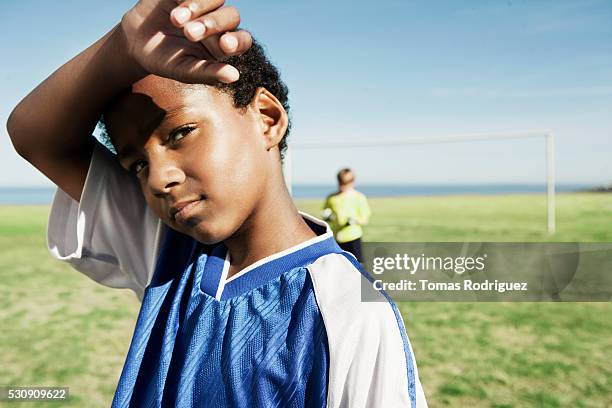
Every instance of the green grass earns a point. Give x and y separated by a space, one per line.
60 328
580 218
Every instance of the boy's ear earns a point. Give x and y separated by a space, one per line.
273 117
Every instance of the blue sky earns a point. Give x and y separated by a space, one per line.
363 71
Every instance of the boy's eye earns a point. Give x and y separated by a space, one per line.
137 166
180 133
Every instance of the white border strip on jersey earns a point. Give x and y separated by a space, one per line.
328 234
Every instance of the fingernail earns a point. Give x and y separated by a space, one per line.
194 7
196 29
228 74
230 42
181 15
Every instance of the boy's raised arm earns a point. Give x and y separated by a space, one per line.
51 126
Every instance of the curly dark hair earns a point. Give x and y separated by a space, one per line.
256 71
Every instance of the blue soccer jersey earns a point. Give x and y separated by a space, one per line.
288 331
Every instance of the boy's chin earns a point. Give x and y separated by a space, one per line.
208 233
209 230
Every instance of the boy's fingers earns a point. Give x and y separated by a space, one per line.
192 9
223 72
212 46
235 43
216 22
192 70
221 46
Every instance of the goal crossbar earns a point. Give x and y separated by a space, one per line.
547 135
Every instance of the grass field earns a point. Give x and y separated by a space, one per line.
59 328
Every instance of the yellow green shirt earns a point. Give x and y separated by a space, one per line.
344 207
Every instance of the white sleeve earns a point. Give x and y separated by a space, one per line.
371 362
111 235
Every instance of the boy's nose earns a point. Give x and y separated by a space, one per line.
163 176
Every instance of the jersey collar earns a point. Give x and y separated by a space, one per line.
214 267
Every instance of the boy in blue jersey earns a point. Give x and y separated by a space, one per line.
246 302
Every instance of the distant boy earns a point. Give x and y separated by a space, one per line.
346 211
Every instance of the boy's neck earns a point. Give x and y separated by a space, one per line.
346 187
274 226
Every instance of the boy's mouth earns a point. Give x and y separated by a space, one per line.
180 211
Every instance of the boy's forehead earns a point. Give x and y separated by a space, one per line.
165 93
158 87
152 98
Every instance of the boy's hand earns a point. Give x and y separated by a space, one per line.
185 40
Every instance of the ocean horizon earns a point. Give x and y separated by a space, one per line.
44 195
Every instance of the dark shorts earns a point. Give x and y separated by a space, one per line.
354 247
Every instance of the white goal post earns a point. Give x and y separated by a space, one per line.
548 137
